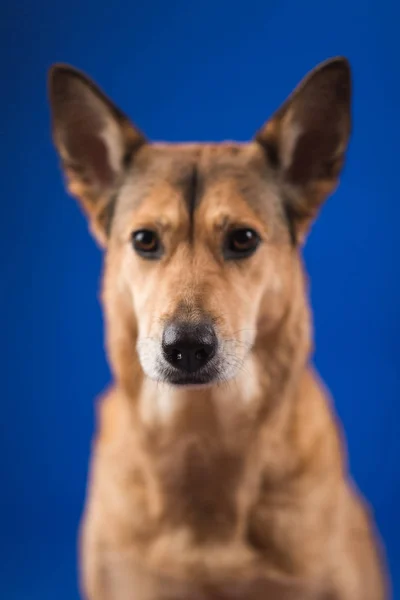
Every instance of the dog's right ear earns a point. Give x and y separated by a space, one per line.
95 141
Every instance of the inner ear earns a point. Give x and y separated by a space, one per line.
311 129
307 137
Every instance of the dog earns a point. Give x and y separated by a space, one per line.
219 468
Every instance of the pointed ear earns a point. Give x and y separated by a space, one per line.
307 138
95 141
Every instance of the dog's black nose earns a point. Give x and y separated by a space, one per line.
188 346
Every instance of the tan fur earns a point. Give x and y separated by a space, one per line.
239 490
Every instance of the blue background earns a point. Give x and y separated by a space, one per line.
182 71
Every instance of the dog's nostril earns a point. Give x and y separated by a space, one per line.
176 355
189 347
202 354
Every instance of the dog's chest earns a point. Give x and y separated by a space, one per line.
184 517
200 485
126 581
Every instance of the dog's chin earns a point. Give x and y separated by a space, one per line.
189 385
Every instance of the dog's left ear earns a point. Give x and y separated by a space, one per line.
307 138
95 141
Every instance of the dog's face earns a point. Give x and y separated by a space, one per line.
202 240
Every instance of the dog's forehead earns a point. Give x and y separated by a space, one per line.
167 175
176 162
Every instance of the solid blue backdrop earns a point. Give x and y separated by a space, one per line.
183 71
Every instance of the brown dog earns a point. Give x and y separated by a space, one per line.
218 468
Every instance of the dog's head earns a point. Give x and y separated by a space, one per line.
202 240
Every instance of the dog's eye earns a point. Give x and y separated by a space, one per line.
241 243
147 243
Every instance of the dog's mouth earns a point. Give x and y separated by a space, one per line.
201 378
